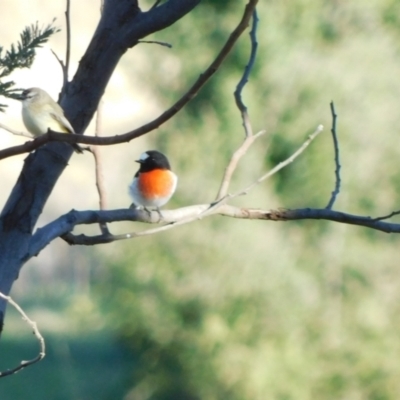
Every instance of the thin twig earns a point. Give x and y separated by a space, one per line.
282 164
392 214
238 92
237 155
15 132
61 65
99 170
165 44
99 165
165 116
155 4
336 190
68 47
65 67
37 334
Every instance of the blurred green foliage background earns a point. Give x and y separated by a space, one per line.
240 310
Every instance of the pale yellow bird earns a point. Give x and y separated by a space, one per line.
41 113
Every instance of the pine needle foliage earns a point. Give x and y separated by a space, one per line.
22 55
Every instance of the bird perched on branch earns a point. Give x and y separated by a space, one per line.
154 183
41 113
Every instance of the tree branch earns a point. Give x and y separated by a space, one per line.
64 74
36 332
99 170
284 163
65 67
237 155
165 44
249 138
173 218
68 44
336 216
15 132
65 223
157 18
336 189
238 92
157 2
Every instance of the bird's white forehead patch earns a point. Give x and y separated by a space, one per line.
144 156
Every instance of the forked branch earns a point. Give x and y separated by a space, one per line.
249 137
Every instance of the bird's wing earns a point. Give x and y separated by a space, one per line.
62 121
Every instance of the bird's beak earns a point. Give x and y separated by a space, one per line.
139 161
19 97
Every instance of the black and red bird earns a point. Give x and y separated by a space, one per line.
154 183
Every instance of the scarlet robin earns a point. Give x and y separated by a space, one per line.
154 183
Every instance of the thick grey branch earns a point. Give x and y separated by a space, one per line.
66 223
157 19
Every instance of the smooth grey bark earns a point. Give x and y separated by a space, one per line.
121 26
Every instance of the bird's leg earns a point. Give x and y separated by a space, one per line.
148 211
159 213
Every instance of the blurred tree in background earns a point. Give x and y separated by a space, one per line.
226 309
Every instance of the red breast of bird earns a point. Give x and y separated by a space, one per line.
154 183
